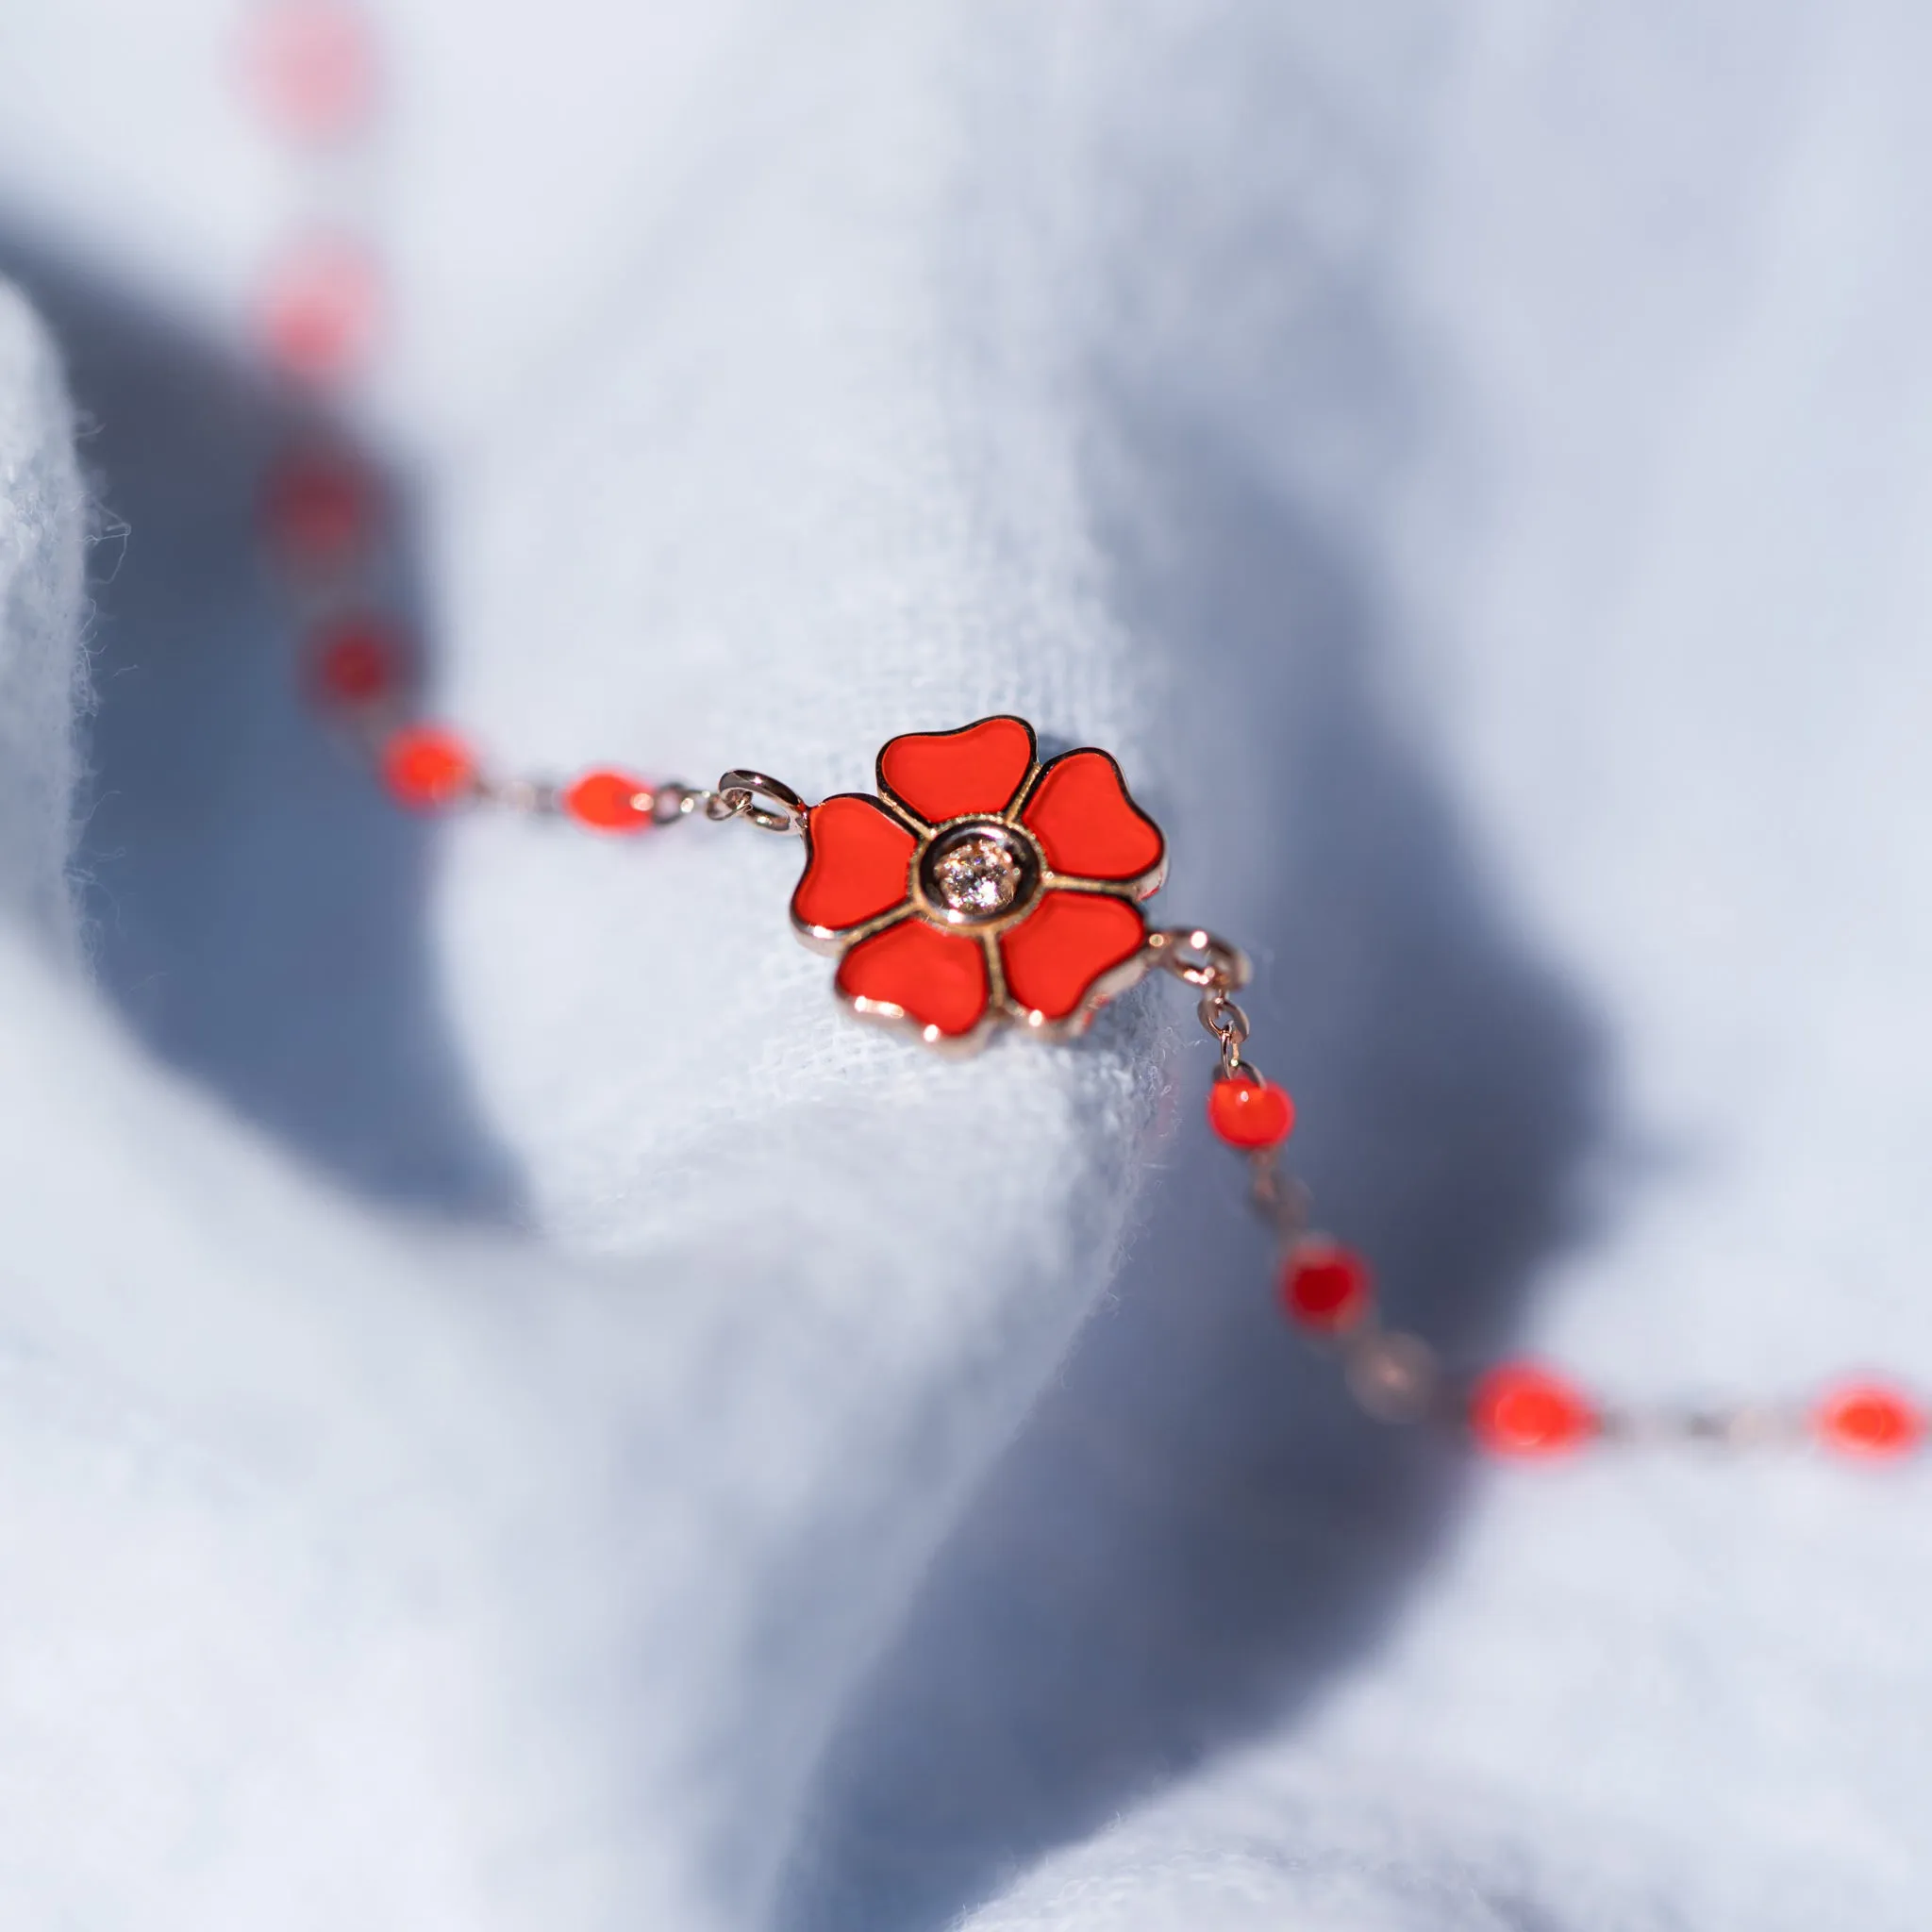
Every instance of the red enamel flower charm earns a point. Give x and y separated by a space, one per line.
981 886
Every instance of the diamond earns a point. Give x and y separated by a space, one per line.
978 876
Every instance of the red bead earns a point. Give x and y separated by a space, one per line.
311 65
318 316
1521 1409
1865 1419
426 767
1250 1113
355 662
320 509
610 802
1325 1286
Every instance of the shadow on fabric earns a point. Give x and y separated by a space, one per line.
252 904
1195 1531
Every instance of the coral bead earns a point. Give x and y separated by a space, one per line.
357 662
311 66
1325 1286
610 802
319 314
1250 1113
426 767
319 510
1865 1419
1520 1409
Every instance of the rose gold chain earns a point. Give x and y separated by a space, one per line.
1518 1408
1394 1377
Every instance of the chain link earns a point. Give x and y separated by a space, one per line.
1228 1024
1393 1376
1280 1198
672 802
754 796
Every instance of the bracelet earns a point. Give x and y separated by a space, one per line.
978 888
981 887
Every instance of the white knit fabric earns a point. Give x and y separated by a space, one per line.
611 1617
283 1478
489 1353
40 679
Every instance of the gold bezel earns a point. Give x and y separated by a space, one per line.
1037 876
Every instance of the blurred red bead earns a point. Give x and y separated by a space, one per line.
1250 1113
311 66
319 310
610 802
1521 1409
1867 1419
357 661
425 766
320 509
1325 1286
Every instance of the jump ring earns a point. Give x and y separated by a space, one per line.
1199 958
740 794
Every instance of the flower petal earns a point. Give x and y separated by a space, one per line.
859 866
1087 824
1054 956
933 977
953 775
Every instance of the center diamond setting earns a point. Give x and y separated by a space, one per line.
977 874
977 877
